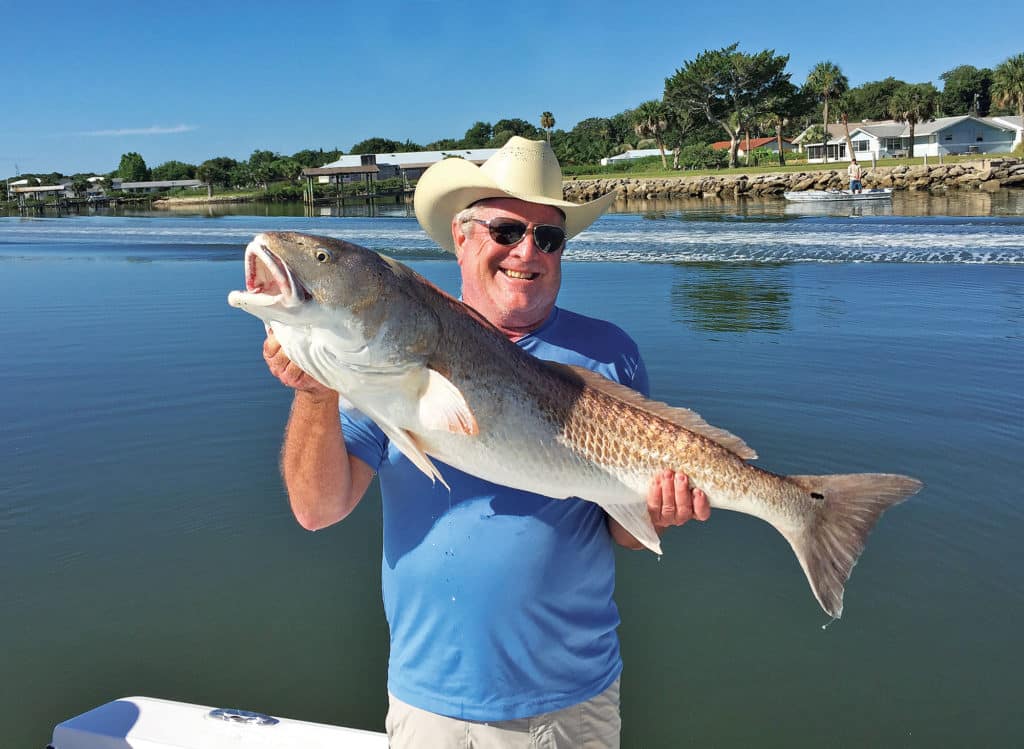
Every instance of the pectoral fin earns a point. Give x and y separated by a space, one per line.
635 518
406 443
442 407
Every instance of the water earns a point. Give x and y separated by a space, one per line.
146 546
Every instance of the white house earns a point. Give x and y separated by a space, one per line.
39 192
885 139
154 186
1017 123
634 153
409 165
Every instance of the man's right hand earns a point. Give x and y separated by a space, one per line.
287 371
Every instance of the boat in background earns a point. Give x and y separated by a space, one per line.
818 196
149 723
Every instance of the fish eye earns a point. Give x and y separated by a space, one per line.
323 256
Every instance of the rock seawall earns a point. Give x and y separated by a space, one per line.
989 175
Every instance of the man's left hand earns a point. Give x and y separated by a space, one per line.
671 500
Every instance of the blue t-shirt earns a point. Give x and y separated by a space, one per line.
499 601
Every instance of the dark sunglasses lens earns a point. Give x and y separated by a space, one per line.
507 232
549 238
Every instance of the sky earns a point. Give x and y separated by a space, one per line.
85 83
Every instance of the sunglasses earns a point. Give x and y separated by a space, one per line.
510 231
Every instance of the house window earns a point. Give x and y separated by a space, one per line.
949 136
860 145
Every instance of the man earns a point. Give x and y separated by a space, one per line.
853 171
499 601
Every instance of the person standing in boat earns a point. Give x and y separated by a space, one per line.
856 174
499 602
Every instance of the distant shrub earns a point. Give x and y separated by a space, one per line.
762 156
281 192
622 166
702 156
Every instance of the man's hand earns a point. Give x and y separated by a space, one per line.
287 371
671 501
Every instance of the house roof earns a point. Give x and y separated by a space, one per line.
1010 119
324 171
415 159
158 183
894 129
40 188
635 153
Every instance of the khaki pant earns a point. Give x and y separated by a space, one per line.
594 724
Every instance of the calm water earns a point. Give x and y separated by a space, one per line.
146 546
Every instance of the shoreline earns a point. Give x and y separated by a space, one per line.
988 175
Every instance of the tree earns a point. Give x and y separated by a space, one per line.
827 82
261 167
780 109
378 145
286 168
216 171
313 159
547 121
505 129
587 143
680 124
965 90
727 87
621 130
174 170
651 121
478 135
1008 83
843 105
870 101
132 168
913 103
445 144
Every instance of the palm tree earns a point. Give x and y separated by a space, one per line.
651 121
1008 83
843 104
827 82
913 103
547 121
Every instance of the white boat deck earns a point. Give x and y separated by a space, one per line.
149 723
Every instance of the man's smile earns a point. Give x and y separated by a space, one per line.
522 275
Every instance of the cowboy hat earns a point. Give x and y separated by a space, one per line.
522 169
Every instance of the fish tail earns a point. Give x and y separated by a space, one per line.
847 506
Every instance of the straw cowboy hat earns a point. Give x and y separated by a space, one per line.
523 169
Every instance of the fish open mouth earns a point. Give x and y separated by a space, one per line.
268 280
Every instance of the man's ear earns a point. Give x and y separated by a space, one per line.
458 237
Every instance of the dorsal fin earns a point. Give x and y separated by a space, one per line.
683 417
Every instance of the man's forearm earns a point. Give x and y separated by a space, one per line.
315 463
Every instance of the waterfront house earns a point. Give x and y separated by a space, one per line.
886 139
749 145
40 192
633 153
409 165
155 186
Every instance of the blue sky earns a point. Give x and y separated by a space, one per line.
185 80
